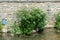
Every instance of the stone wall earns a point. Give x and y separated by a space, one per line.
39 0
7 10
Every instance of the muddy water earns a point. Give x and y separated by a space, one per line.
48 34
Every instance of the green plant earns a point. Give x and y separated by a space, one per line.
39 18
30 19
0 26
15 28
57 23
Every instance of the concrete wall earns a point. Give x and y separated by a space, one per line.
7 9
29 0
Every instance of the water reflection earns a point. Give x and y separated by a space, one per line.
48 34
6 36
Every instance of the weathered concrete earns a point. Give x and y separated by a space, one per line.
7 9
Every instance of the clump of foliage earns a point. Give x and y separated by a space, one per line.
57 23
30 19
0 26
15 28
39 18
